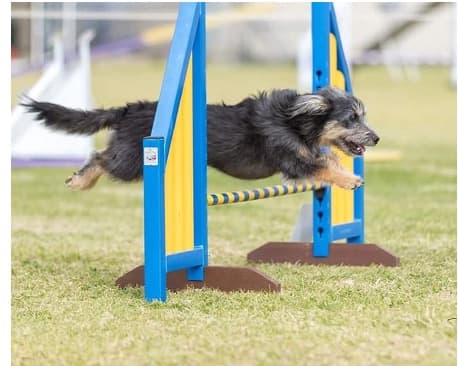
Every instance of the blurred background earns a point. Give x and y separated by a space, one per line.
391 34
103 54
380 33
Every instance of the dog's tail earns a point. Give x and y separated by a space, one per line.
74 121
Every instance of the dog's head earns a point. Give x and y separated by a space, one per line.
342 118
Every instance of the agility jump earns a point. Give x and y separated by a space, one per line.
175 210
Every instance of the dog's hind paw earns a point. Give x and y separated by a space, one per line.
84 179
71 181
79 182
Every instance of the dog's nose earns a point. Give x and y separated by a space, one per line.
375 138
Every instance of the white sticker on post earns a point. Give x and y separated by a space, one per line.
150 156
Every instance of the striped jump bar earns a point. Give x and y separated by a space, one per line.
224 198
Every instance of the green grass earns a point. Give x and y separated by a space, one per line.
69 247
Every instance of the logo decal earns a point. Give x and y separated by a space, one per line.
150 156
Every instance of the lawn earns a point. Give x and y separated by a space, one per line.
69 247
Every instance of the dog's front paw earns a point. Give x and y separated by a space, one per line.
350 182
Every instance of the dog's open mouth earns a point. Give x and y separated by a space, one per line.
355 148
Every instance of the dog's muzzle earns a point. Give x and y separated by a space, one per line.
356 144
372 139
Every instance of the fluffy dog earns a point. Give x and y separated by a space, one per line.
281 131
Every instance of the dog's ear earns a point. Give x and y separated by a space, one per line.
311 104
331 93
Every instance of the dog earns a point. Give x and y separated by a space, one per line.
281 131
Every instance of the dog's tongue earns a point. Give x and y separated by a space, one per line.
361 149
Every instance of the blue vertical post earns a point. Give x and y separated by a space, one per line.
200 146
175 73
358 201
154 218
321 222
358 162
321 78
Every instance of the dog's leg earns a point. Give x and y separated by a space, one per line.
87 176
324 170
334 173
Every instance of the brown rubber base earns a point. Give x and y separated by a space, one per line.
221 278
339 254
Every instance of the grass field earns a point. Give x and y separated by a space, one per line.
69 247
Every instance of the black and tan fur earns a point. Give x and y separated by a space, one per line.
277 132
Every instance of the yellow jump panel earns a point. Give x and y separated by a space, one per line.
179 210
341 199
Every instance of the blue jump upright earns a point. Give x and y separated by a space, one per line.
188 39
326 230
337 214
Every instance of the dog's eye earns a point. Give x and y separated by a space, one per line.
354 117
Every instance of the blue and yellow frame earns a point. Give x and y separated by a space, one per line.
337 214
174 166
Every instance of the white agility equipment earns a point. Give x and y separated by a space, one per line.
33 144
